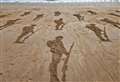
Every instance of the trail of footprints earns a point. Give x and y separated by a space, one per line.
60 24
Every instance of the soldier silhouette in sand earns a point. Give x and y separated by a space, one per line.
57 49
92 12
57 13
25 13
114 14
102 35
59 24
117 11
79 17
38 17
116 24
9 23
25 31
4 15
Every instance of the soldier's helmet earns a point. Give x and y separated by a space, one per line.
59 37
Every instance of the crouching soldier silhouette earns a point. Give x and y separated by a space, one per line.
25 31
59 24
57 49
9 23
102 35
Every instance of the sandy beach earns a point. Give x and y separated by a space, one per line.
92 58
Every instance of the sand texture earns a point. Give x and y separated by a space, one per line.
93 58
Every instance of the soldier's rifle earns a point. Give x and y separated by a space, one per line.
65 64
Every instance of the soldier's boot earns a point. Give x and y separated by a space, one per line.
57 27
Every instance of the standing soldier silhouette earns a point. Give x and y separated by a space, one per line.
59 24
57 49
25 31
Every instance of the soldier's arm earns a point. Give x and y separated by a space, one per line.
64 50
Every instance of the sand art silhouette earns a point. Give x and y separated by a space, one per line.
116 24
38 17
57 13
4 15
25 13
59 24
9 23
79 17
102 35
117 11
113 14
92 12
57 49
25 31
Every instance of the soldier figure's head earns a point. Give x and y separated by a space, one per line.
59 38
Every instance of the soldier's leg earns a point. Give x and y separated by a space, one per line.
3 26
62 25
21 36
53 73
53 68
106 36
26 37
99 35
57 26
116 25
